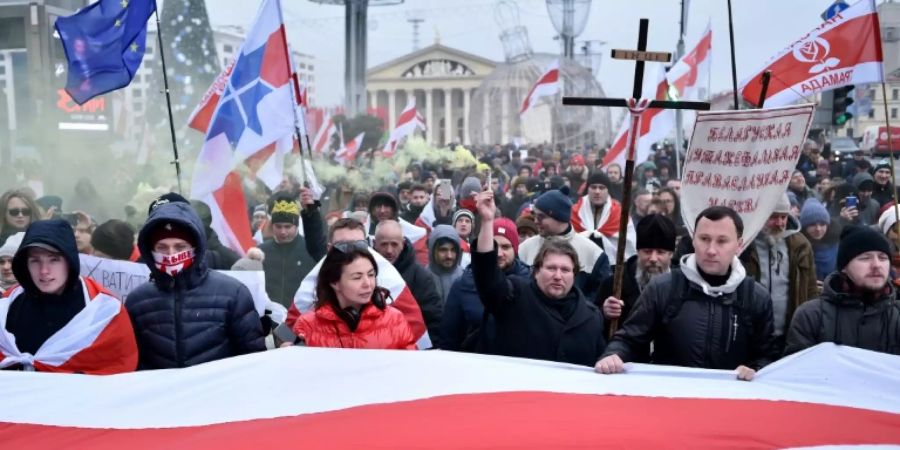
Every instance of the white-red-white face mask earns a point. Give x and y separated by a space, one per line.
175 263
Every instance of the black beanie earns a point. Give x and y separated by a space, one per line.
283 208
114 238
598 177
656 231
856 240
171 197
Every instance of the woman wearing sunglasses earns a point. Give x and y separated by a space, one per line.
19 210
351 310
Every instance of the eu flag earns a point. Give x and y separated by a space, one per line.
104 45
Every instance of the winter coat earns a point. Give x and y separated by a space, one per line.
883 193
464 312
530 325
445 277
286 265
218 256
198 315
708 330
868 209
845 319
421 284
377 329
801 268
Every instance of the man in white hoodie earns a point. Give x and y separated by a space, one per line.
708 314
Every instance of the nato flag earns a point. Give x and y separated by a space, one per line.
104 45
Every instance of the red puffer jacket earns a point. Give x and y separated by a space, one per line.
377 329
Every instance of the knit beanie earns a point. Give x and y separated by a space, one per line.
814 212
783 206
506 228
887 219
555 204
856 240
598 177
171 197
114 238
656 231
164 231
12 244
526 223
462 213
284 209
883 164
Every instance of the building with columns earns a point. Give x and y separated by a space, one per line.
443 81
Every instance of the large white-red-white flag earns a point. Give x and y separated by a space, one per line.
407 123
828 396
688 74
388 278
323 136
546 85
347 153
844 50
250 107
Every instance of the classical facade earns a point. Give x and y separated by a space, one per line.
442 80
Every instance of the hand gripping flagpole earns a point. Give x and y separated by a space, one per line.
636 108
162 58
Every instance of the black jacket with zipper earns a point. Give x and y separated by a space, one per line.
286 265
198 315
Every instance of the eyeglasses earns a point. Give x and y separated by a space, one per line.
19 212
350 246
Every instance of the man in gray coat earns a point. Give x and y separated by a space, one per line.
445 258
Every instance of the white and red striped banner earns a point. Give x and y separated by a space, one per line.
388 278
348 152
844 50
407 123
546 85
825 396
323 136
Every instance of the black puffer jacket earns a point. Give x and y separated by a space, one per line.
195 317
725 329
845 319
530 325
286 265
422 285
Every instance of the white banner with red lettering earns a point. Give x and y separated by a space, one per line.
743 160
342 398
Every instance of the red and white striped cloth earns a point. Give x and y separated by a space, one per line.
582 219
323 136
99 340
407 123
388 278
347 153
546 85
336 398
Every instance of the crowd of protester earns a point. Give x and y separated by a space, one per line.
517 260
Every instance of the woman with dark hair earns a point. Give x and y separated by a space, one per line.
19 210
670 205
351 310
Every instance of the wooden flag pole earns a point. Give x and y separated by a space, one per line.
765 88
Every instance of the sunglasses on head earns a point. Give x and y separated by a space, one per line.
350 246
19 212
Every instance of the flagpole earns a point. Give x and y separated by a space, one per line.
887 123
734 81
296 88
162 58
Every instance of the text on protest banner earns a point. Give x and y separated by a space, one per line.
122 277
742 160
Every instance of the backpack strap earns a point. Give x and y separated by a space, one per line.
677 291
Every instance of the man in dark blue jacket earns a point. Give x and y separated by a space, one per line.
187 314
464 325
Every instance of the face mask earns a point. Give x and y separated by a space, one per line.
174 264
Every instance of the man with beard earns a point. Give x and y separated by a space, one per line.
858 306
781 260
614 172
655 245
798 186
642 200
418 198
597 217
445 258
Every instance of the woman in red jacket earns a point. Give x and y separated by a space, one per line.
351 310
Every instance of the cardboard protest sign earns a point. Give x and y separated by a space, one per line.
122 277
742 160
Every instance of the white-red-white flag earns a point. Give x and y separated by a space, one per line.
323 136
655 124
546 85
691 71
348 152
407 123
844 50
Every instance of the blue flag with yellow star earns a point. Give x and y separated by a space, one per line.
104 45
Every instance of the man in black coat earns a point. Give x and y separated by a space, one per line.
391 244
289 256
708 314
187 314
655 244
541 317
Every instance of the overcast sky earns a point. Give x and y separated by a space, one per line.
762 28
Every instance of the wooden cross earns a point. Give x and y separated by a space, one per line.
636 106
